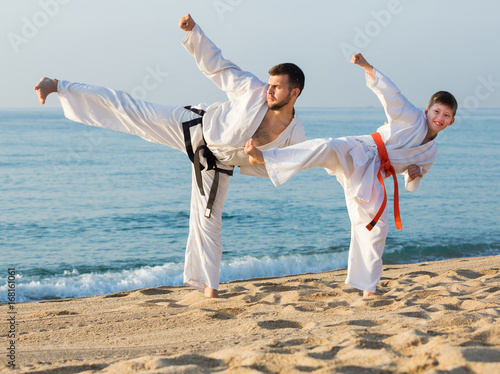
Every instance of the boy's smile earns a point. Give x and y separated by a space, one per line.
439 117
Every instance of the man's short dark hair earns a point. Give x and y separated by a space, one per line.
446 98
296 76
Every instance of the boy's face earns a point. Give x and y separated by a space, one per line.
439 117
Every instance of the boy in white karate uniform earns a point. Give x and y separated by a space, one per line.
404 145
219 131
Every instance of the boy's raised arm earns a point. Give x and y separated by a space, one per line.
396 105
359 60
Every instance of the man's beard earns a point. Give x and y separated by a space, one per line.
279 104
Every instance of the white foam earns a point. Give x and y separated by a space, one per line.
252 267
73 284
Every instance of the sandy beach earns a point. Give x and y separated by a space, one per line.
435 317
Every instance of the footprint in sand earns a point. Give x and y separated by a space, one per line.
481 339
461 275
481 354
422 295
305 280
379 303
469 274
334 294
416 314
370 343
279 324
275 287
339 304
325 355
117 294
55 301
304 342
189 363
226 313
162 302
362 322
52 313
233 292
155 291
420 273
492 289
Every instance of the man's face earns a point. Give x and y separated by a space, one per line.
278 92
439 117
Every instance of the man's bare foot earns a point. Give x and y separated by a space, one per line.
211 293
254 155
45 87
368 294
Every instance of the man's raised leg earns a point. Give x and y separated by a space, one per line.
119 111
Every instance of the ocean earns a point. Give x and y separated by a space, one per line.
88 211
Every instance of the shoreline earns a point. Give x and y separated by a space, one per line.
427 318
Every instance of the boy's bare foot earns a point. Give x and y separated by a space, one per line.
368 294
254 155
210 292
45 87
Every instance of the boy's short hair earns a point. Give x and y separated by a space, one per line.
446 98
296 76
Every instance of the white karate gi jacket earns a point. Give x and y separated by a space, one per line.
226 128
355 162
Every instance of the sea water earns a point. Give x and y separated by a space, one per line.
87 211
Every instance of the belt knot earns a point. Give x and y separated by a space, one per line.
385 164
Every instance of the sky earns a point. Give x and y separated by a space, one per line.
423 45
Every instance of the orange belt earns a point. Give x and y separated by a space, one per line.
385 164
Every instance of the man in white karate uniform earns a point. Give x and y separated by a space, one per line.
404 145
213 136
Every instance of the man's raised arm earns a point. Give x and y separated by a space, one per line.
186 22
224 73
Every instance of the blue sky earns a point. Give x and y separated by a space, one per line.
423 46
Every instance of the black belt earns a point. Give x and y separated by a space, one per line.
195 159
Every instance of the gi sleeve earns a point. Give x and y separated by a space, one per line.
413 185
224 73
396 106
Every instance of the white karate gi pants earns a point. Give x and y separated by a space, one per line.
116 110
364 265
365 252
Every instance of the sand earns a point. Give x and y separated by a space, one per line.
435 317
